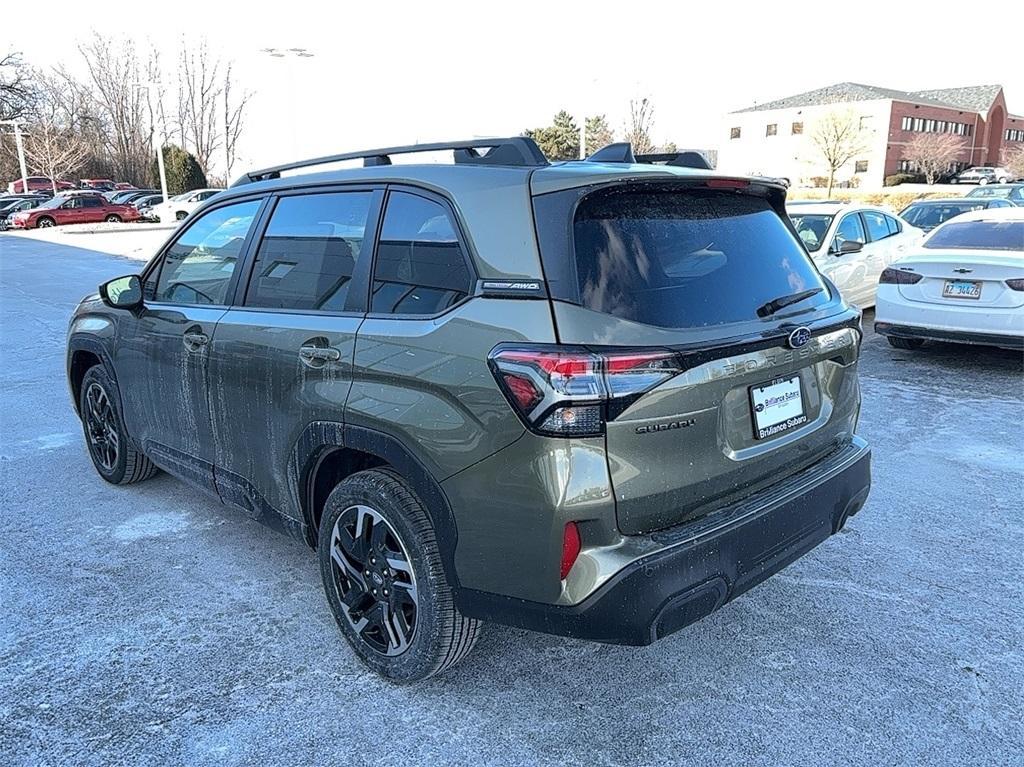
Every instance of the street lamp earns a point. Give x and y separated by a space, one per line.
288 56
158 135
21 151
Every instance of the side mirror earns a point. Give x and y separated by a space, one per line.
848 246
122 292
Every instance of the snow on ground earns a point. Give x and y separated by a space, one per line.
138 241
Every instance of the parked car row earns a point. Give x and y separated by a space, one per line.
44 185
71 209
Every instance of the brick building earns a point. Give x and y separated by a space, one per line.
774 138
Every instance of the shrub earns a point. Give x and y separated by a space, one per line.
904 178
183 171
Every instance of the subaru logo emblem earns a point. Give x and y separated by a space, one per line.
799 337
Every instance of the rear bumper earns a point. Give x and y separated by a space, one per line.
700 566
952 336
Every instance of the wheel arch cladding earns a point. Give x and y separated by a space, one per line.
84 353
327 452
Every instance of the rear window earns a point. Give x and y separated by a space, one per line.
687 259
983 235
929 216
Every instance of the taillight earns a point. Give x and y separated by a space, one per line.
570 548
1015 284
572 391
898 277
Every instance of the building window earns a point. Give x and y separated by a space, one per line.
906 123
1014 135
771 129
734 133
908 166
861 166
797 129
918 124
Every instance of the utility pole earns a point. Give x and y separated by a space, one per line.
21 152
158 133
288 56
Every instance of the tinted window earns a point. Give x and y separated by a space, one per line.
988 235
308 254
999 204
92 202
420 266
683 260
878 227
850 229
198 266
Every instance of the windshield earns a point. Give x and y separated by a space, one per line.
688 259
979 235
812 228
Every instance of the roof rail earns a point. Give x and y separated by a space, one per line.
686 159
516 151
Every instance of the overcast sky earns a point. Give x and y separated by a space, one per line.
387 73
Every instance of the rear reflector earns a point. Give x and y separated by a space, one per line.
898 277
1015 284
570 548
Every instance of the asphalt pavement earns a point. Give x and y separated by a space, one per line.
149 625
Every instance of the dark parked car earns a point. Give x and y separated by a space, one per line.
8 207
929 213
128 196
595 398
77 208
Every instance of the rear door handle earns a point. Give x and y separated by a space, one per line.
315 356
194 340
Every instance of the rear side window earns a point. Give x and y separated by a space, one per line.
420 266
687 259
309 252
92 202
878 227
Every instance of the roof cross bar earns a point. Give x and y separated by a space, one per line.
515 151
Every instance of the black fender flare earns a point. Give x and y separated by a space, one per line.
320 438
79 343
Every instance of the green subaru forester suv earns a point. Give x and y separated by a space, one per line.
596 398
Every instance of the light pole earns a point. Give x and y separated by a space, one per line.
21 151
158 135
288 55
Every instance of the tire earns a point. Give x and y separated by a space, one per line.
982 181
119 462
45 222
905 343
113 218
180 215
372 512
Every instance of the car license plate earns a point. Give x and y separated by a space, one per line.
961 289
777 406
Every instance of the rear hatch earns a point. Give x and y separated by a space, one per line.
692 268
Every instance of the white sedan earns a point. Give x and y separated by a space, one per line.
852 244
180 206
964 284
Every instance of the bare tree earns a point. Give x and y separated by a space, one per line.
234 116
1014 161
113 77
839 138
932 153
17 89
638 129
199 90
53 148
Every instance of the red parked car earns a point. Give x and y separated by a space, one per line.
38 184
80 209
100 184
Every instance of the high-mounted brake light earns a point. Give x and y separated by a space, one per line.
572 391
726 183
898 277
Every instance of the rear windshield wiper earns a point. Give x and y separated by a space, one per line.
768 309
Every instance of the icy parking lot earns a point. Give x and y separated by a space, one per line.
150 625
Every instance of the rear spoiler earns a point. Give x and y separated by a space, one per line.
622 151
